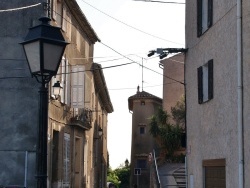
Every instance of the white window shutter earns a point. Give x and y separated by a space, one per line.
64 19
77 86
88 91
67 83
54 10
62 81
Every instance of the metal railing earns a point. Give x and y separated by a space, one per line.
154 174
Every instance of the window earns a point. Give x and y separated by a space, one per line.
77 81
142 103
204 16
64 19
205 82
57 12
78 40
55 156
141 163
214 173
142 130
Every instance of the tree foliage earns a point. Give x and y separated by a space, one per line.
169 134
120 176
179 112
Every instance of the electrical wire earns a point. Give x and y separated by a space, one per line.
20 8
119 89
130 25
143 65
132 61
160 2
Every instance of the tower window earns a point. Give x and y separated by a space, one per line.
142 130
142 103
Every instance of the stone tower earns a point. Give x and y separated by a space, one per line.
142 105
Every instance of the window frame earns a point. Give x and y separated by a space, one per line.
66 160
205 82
213 164
208 22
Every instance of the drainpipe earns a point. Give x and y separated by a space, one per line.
240 94
26 169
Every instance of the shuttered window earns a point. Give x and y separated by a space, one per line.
205 82
214 173
77 86
204 16
66 160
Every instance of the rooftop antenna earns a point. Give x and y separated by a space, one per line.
142 74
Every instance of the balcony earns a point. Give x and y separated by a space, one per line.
82 117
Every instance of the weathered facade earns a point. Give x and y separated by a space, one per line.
173 80
217 93
143 105
77 134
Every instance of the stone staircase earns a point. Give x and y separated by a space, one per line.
180 177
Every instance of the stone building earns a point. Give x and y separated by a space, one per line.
142 105
217 93
78 118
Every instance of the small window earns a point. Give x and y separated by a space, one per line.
142 103
205 82
214 173
142 130
141 163
204 16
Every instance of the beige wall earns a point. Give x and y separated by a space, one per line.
88 156
172 90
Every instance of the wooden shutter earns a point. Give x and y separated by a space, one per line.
199 18
210 79
200 85
210 13
77 86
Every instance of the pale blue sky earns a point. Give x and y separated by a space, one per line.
162 20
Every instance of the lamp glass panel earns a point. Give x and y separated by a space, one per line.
32 51
52 56
56 91
100 132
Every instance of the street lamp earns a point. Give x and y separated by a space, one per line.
100 132
165 51
57 89
44 46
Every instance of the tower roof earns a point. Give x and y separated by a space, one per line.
141 95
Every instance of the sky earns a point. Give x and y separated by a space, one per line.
128 30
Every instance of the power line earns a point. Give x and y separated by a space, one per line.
160 1
143 65
119 89
129 25
132 61
20 8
